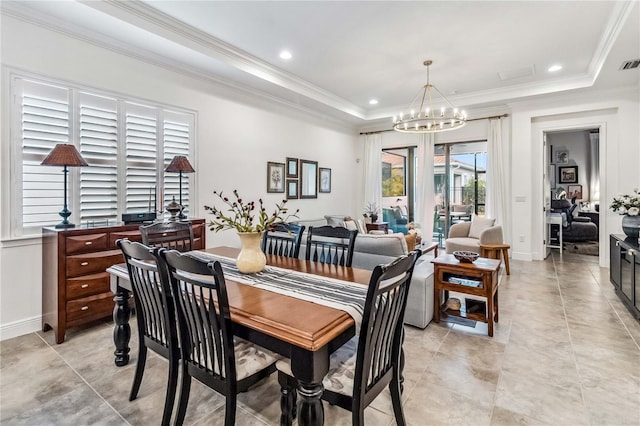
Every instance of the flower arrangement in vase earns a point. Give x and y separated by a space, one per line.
249 220
628 206
371 211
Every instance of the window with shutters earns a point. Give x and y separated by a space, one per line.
127 144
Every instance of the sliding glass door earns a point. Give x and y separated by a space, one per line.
460 171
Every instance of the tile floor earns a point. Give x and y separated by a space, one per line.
566 352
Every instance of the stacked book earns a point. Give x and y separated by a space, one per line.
465 281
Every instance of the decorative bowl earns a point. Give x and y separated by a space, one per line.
466 256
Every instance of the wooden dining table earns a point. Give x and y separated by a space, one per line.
305 332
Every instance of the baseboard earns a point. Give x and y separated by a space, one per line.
521 256
20 328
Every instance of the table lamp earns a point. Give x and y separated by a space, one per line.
68 156
180 164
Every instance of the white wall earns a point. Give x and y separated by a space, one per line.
236 134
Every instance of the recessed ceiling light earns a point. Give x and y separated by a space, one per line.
285 54
554 68
373 102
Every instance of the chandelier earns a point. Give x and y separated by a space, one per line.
424 118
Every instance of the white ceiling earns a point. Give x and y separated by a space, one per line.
346 53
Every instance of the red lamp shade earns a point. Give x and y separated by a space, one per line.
180 163
64 155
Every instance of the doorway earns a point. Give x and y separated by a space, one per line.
572 190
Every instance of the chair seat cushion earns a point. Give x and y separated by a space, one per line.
251 358
342 366
462 244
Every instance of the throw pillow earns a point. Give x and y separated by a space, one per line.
479 224
411 241
350 224
334 221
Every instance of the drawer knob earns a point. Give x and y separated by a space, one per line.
88 243
84 308
84 263
84 285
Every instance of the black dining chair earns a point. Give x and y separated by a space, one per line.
362 368
284 239
156 318
329 244
169 235
210 352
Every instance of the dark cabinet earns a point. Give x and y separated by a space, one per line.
75 286
624 272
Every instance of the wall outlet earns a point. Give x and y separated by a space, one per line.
522 238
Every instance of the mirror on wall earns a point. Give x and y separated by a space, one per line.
308 179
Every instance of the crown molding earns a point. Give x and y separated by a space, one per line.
31 16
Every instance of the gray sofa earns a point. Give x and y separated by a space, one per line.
371 250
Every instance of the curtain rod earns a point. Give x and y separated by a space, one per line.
471 119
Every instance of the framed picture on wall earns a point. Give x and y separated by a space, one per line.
575 191
292 168
568 174
275 177
325 180
292 189
562 157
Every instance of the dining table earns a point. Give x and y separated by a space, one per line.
301 330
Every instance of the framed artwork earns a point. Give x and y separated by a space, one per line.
325 180
575 191
292 189
308 179
562 157
292 168
275 177
568 174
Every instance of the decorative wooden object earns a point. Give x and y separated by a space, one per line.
75 286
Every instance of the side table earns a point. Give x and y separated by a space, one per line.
493 251
479 278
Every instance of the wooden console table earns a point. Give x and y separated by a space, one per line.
479 278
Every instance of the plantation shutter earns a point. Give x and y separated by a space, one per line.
177 131
141 137
98 131
44 114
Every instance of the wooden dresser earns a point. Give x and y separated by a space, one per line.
75 286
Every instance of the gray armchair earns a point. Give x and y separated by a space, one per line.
460 240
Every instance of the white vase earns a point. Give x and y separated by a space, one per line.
251 258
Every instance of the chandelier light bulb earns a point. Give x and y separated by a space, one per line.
426 112
406 125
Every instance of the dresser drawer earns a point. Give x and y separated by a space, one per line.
130 235
89 308
198 238
91 263
85 243
87 285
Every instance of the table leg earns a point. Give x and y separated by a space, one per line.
490 313
310 367
505 255
436 305
122 330
496 305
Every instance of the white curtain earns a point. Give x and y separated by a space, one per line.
425 203
373 170
497 179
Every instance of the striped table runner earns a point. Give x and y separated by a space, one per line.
338 294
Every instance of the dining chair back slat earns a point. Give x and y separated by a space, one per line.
284 239
169 235
155 317
332 245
